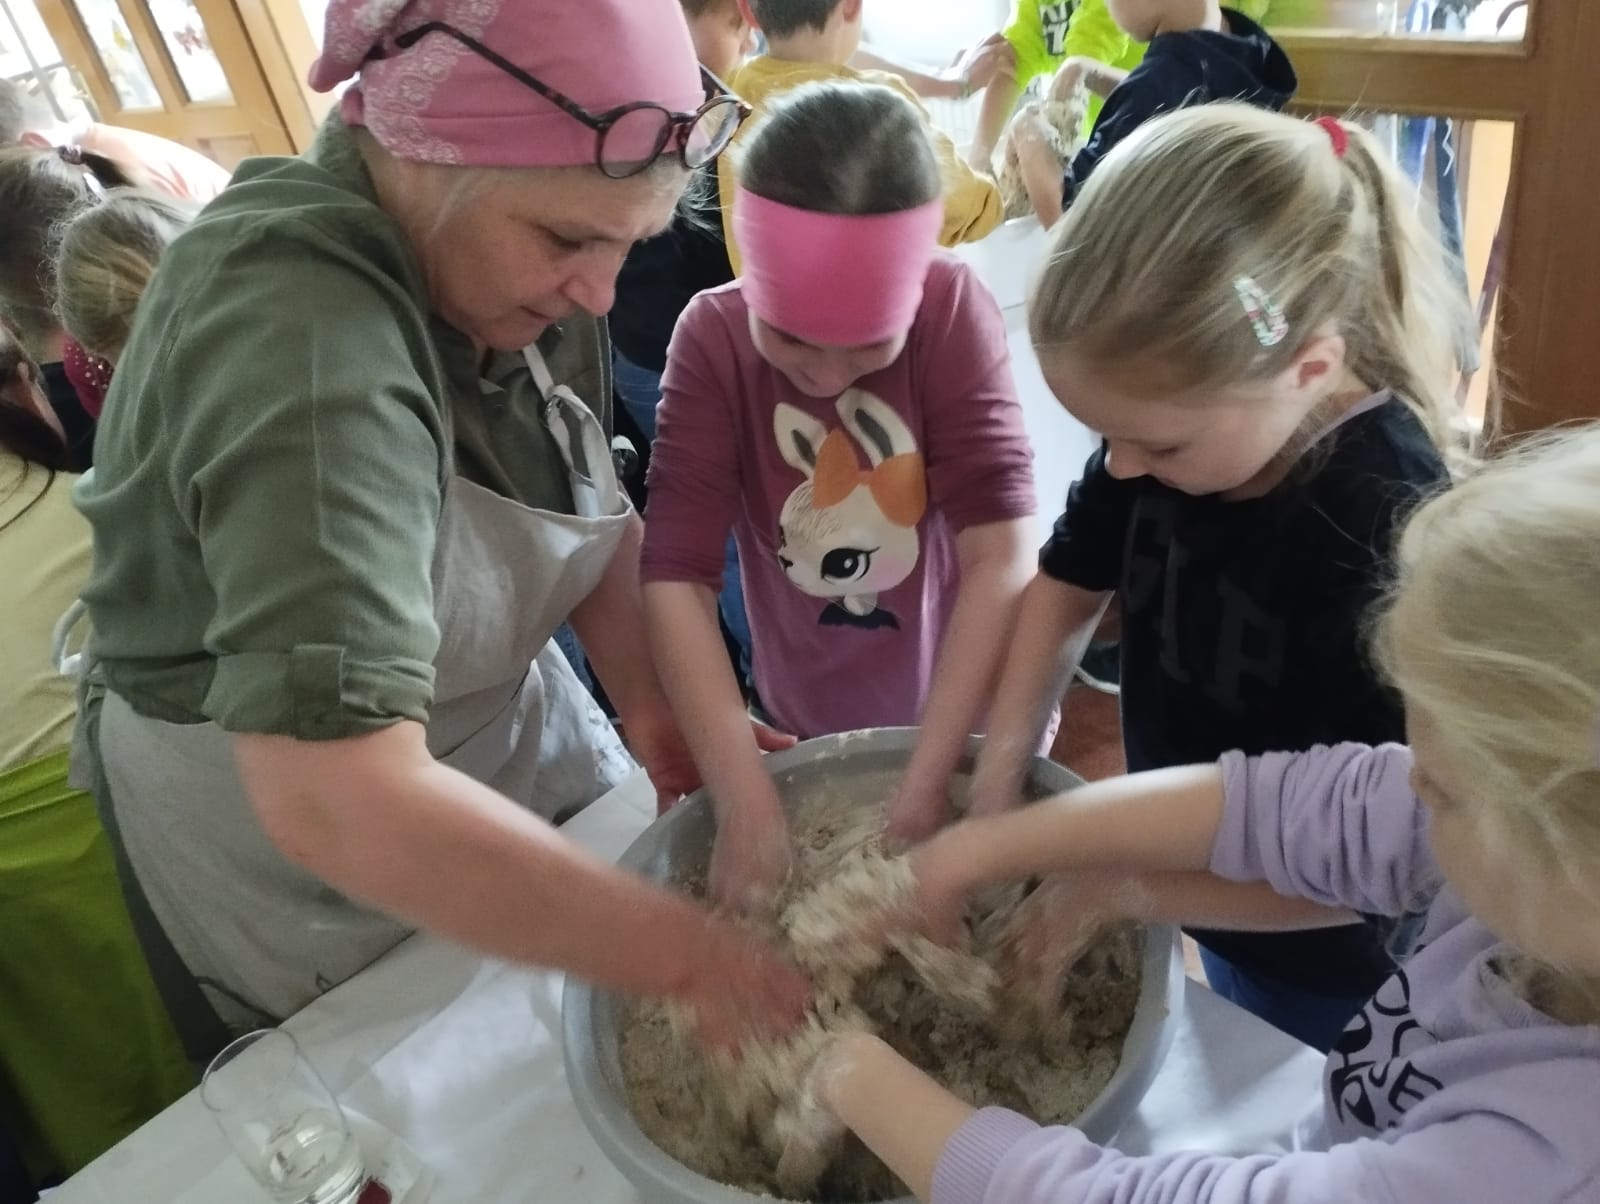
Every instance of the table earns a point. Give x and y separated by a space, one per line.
461 1057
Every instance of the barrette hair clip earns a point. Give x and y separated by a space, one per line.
1266 316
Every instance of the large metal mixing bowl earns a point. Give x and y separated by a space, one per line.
679 845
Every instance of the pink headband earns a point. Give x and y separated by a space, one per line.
439 102
834 279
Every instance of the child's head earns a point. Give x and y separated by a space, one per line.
1493 637
29 428
722 36
781 20
1228 281
837 218
38 191
104 261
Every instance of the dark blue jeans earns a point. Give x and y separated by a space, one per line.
1314 1019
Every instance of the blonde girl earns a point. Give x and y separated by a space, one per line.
1244 307
104 260
1473 1075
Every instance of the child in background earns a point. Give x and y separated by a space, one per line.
814 40
847 409
40 190
1473 1075
140 159
661 274
104 259
1073 40
1198 53
1249 312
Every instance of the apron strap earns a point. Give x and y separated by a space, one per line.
596 492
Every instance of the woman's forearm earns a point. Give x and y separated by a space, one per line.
996 564
379 819
1053 626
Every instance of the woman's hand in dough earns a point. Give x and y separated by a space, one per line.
752 857
940 908
740 987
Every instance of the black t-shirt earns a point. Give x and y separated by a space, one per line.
661 275
1244 626
76 423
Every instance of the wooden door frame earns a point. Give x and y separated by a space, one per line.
179 119
1548 339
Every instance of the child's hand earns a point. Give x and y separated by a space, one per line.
1074 73
811 1128
984 63
914 814
940 907
751 859
1054 927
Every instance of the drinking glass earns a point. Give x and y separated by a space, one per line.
283 1122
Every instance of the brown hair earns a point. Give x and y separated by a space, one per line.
22 432
1147 265
38 191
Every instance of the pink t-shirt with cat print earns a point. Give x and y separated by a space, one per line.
845 510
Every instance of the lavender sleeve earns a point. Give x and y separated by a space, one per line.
694 462
1476 1155
1337 825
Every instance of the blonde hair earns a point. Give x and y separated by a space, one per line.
1146 267
1493 633
104 261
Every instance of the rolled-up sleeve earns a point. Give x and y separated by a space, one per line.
309 475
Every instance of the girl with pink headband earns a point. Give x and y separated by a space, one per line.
358 471
847 409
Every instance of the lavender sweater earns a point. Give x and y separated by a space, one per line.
1447 1089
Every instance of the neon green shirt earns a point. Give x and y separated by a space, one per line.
1045 35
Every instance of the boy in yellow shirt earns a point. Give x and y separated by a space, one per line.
810 40
1077 42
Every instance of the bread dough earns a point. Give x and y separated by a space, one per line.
944 1009
1065 119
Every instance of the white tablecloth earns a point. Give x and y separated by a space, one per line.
462 1058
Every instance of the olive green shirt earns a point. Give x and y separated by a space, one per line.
274 453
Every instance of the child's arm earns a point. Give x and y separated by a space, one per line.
752 855
1094 37
1516 1142
999 102
695 487
977 68
996 560
1039 166
1054 625
1337 826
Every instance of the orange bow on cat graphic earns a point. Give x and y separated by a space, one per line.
898 485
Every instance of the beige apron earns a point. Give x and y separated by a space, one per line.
263 937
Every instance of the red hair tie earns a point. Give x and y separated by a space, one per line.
1337 134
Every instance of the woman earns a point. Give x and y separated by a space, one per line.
343 502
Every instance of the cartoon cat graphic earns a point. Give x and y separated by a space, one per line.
848 533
